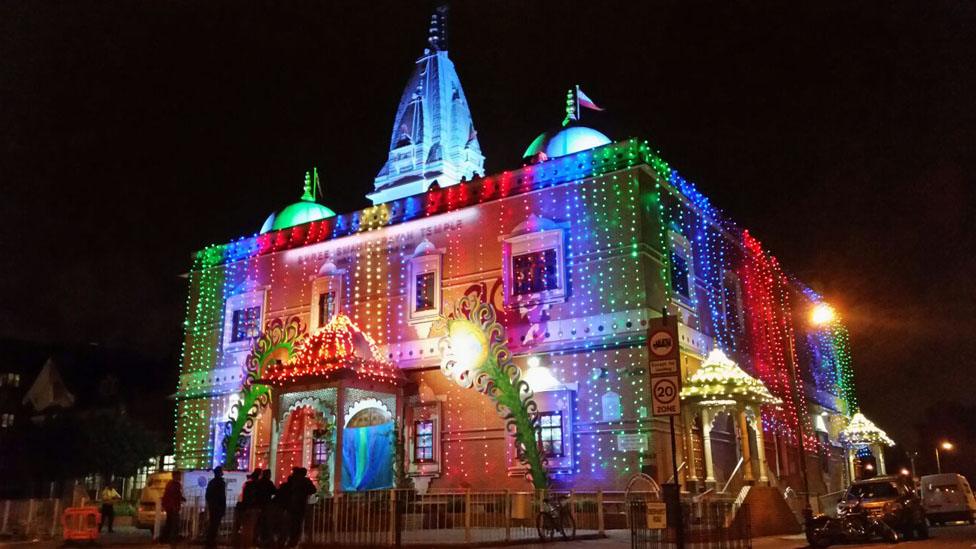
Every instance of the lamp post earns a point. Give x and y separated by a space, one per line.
945 445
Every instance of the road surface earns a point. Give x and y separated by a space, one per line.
944 537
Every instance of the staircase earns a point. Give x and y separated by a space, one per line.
769 514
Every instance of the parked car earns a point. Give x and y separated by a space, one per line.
948 497
155 485
893 499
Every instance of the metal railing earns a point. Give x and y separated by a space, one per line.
705 524
406 517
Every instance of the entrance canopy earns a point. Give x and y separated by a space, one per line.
720 381
861 432
338 350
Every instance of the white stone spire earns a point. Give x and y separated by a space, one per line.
433 140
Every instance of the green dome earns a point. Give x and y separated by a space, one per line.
298 213
304 211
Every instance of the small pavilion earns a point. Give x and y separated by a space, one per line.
862 433
335 404
720 385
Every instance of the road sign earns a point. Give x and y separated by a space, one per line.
663 367
656 515
662 343
665 396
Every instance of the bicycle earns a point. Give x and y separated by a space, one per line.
555 515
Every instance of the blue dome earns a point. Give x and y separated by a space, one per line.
566 141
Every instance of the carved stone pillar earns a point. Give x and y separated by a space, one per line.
760 446
707 446
746 450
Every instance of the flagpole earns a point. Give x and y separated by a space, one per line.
576 97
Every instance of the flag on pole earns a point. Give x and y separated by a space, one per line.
585 101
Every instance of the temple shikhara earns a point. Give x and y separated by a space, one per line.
319 341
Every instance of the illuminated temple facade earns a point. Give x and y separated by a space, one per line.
313 342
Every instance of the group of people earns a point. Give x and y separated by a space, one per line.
273 517
266 516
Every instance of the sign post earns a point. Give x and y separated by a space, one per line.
664 368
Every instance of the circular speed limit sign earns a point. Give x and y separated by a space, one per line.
665 391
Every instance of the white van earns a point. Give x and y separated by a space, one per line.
947 498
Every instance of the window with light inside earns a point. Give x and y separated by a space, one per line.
242 458
535 272
423 441
246 324
320 448
327 307
551 433
425 286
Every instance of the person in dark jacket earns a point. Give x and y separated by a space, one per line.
172 502
264 490
216 497
298 493
249 508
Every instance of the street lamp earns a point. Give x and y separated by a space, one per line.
822 315
945 445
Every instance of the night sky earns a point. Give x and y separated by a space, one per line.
135 132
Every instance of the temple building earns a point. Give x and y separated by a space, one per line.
316 342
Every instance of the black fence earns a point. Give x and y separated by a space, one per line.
710 524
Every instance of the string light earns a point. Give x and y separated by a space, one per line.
619 227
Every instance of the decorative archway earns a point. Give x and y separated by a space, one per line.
367 446
276 344
306 440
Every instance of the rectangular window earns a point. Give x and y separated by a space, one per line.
551 433
327 302
242 459
730 292
679 275
424 298
423 441
535 272
320 450
246 324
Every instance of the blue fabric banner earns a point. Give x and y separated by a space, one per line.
367 457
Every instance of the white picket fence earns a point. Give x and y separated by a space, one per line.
30 518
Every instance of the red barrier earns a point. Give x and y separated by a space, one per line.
80 523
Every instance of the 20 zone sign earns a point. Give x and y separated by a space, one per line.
664 391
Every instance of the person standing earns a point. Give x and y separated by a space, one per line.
216 497
264 491
109 497
172 502
248 508
298 493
